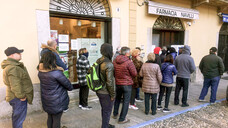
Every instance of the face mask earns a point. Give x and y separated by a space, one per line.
160 52
86 54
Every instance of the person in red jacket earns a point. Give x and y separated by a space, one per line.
124 70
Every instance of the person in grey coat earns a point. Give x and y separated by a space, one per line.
185 66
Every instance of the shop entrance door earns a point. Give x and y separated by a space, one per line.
168 31
223 44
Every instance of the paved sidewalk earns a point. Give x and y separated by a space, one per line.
77 118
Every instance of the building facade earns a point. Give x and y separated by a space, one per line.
27 24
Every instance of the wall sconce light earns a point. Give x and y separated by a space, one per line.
93 24
61 21
144 2
79 23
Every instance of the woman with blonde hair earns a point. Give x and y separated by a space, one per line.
137 80
152 78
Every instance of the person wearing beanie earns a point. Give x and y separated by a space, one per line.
106 94
185 67
212 68
157 57
19 90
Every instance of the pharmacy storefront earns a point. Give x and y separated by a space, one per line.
168 29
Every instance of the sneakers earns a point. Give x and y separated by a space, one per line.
86 108
159 107
114 116
123 122
138 100
201 100
80 106
111 126
185 105
133 107
65 110
166 110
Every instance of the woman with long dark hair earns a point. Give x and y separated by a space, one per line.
54 86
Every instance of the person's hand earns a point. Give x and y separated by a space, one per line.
112 99
23 99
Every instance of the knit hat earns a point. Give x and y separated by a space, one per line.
157 50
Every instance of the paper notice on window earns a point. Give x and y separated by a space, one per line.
63 38
63 47
75 45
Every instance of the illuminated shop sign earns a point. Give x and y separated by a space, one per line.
172 11
225 18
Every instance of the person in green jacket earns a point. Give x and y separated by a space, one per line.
212 68
19 90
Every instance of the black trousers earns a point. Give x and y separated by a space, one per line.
133 95
83 95
106 108
181 83
54 120
153 102
167 96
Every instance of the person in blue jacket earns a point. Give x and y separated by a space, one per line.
168 70
54 86
51 47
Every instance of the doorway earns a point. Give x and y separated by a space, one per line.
167 31
223 44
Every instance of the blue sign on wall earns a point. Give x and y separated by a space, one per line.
225 17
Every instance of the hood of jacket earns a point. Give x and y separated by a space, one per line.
107 50
41 68
43 46
10 61
186 50
121 59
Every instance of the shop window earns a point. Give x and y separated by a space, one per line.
73 34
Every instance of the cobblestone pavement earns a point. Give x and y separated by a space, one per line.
212 116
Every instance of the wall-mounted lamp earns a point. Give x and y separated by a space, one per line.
144 2
93 24
79 23
61 21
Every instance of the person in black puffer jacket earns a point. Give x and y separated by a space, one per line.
54 86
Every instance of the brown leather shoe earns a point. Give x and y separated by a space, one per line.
125 121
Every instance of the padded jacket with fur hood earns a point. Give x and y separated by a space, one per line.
54 86
59 62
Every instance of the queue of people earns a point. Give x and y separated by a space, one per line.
121 78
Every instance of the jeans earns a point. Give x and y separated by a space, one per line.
19 112
167 96
133 94
83 95
124 90
213 82
137 93
181 83
106 108
54 120
153 102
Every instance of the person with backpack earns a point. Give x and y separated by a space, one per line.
82 67
106 94
152 78
124 72
168 70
